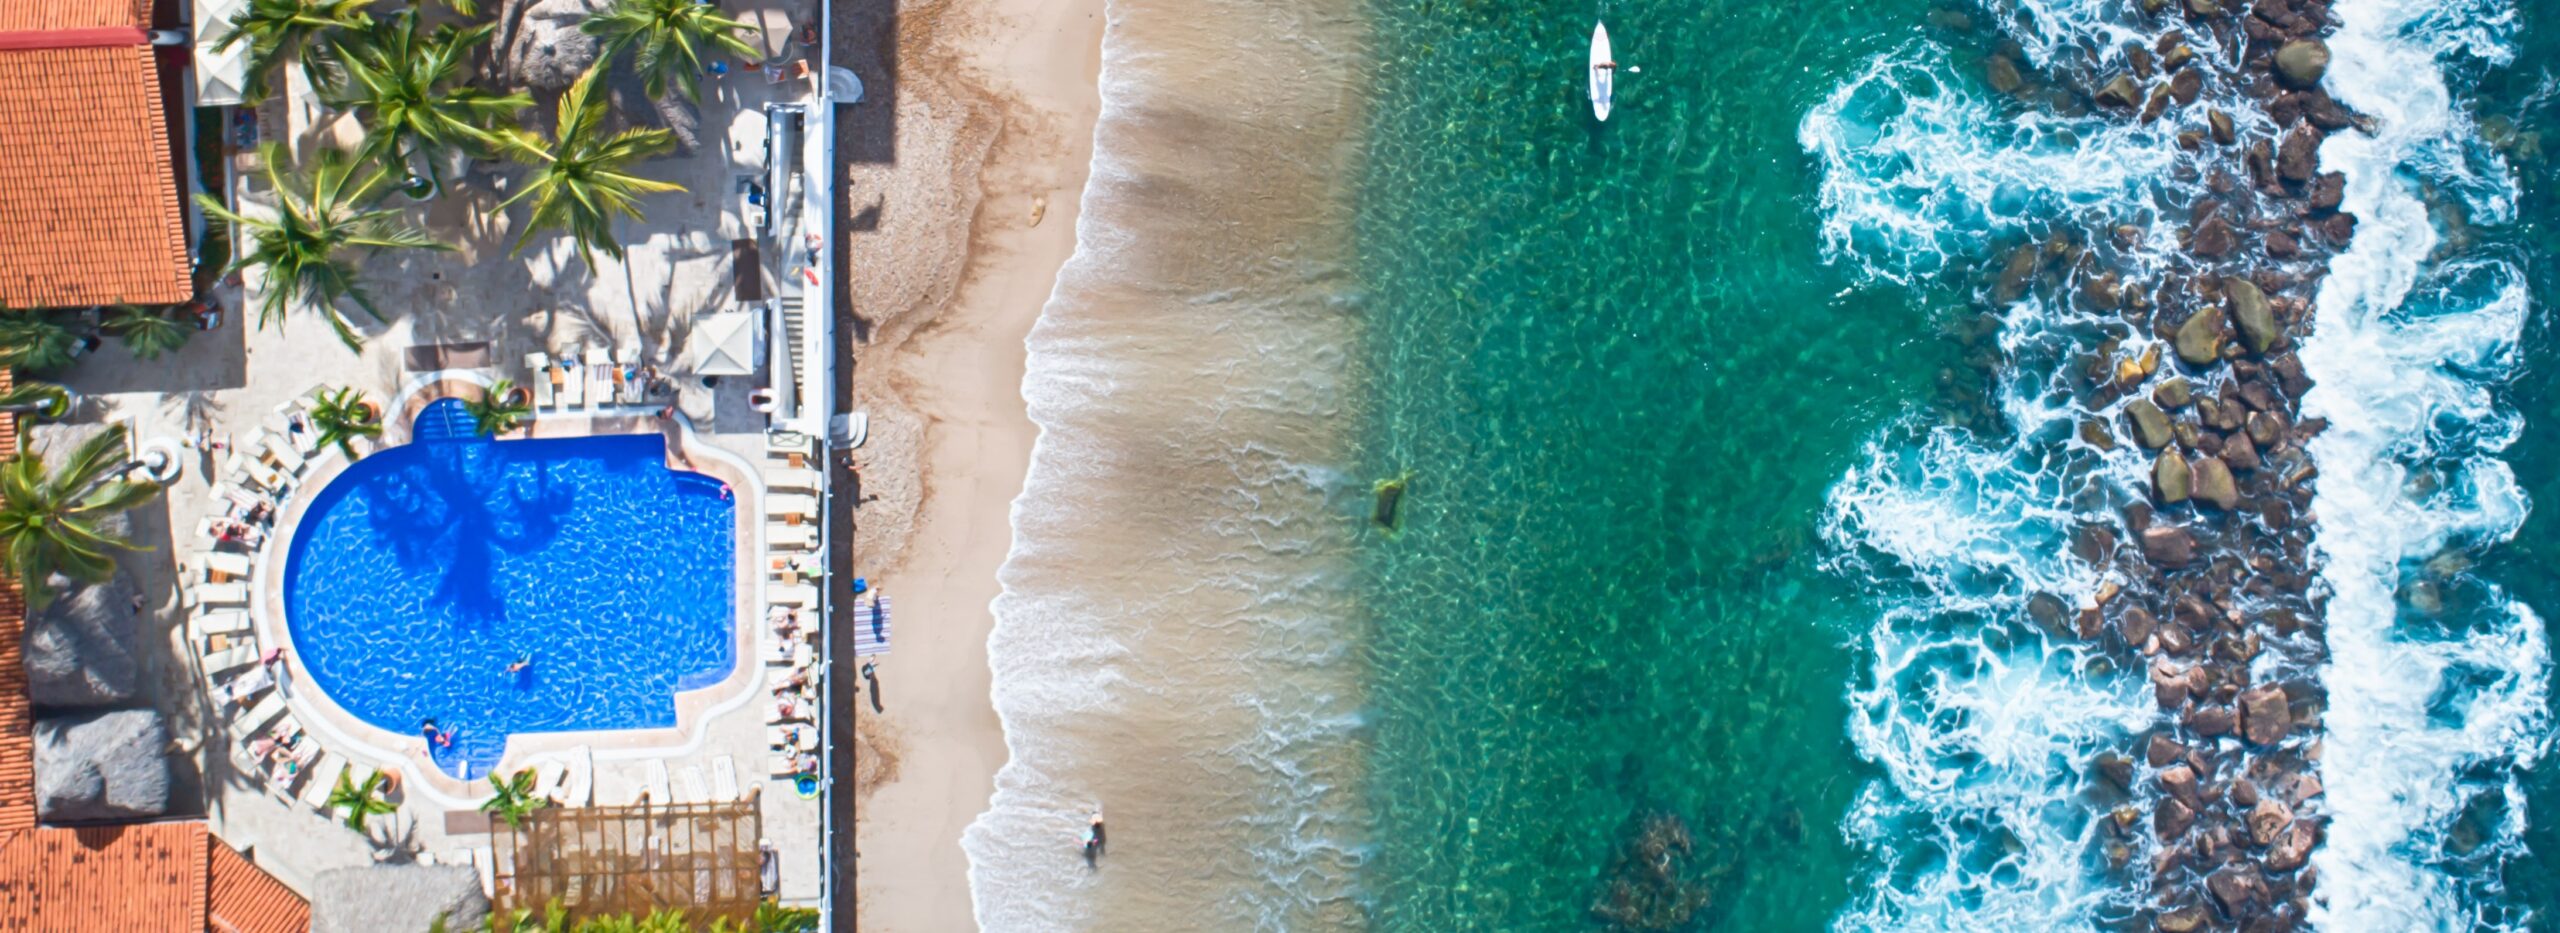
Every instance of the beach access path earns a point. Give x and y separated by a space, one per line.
963 168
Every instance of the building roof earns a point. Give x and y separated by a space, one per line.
52 15
143 877
88 188
243 899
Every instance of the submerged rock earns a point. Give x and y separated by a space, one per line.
1649 883
2171 477
2214 483
2199 340
2150 424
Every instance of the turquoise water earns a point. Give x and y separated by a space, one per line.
424 570
1626 383
1623 380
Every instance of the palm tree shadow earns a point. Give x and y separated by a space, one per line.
461 493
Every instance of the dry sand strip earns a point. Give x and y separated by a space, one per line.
963 170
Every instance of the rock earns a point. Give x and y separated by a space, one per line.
2171 819
2177 57
2299 156
2136 625
2173 393
2289 376
2292 846
2186 85
2268 818
2325 112
2201 9
2116 769
2157 105
2171 477
2163 750
2179 781
2223 130
102 766
2265 716
2121 92
2338 229
2199 339
2150 424
2212 239
2281 245
2046 610
396 898
2328 191
2169 682
2210 721
2237 888
2003 74
2240 452
2187 919
2249 310
2214 483
2168 546
2301 63
2139 59
2095 432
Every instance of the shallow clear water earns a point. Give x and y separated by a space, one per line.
422 571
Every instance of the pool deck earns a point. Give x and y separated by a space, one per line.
229 380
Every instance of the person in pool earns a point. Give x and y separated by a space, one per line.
522 661
436 735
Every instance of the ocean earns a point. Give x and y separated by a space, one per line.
1730 471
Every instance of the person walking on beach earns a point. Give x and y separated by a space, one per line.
871 676
1093 840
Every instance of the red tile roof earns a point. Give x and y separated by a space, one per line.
88 194
243 899
141 878
49 15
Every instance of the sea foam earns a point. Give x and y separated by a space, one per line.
2436 704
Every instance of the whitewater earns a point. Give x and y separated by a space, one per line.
1981 725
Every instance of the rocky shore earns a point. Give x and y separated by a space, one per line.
2208 586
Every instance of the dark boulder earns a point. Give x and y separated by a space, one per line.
2163 750
2215 484
2299 157
2238 889
2328 191
2150 424
2210 721
2121 92
2212 239
2249 310
2266 716
2168 546
2301 63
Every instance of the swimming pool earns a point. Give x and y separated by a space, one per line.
421 572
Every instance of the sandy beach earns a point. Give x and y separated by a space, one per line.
963 170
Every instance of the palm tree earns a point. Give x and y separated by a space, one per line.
514 798
321 219
580 178
409 90
667 39
341 417
362 801
41 399
147 332
497 411
772 917
36 341
49 521
302 29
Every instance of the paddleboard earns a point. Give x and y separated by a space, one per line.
1602 70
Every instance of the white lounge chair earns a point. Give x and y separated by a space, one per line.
690 790
236 656
251 681
324 779
227 563
258 716
791 537
580 782
538 365
800 596
282 454
655 783
724 778
217 622
599 373
791 505
485 859
573 386
221 594
789 479
255 472
546 777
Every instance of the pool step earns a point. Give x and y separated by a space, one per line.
444 419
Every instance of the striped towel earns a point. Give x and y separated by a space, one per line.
871 627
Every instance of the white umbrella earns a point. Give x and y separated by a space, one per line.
724 344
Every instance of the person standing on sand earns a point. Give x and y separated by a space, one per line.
871 676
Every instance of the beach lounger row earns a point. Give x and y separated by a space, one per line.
586 381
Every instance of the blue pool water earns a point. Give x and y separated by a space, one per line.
423 570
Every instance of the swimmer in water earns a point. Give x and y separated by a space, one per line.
1093 840
522 662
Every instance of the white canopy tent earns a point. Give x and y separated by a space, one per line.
726 344
220 76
